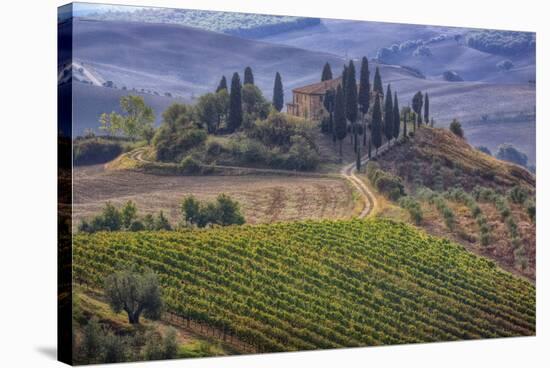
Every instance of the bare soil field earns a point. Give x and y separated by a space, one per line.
263 198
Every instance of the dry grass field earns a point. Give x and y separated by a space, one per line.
263 198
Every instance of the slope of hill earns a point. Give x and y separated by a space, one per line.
330 284
475 167
353 39
471 201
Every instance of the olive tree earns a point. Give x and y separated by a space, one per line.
134 294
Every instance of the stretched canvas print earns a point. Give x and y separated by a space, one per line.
242 183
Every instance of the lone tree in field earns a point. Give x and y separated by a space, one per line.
388 115
340 127
351 102
364 95
278 96
377 84
248 76
396 117
235 104
222 85
135 294
426 108
135 121
376 135
417 107
327 73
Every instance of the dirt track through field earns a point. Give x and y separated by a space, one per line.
273 195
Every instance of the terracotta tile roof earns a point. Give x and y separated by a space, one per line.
319 88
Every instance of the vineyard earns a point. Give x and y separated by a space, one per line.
324 284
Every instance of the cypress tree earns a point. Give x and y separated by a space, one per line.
417 106
235 105
376 135
278 96
222 85
248 76
405 117
364 94
328 102
377 85
351 102
327 73
370 147
388 115
344 80
340 127
426 108
396 117
358 159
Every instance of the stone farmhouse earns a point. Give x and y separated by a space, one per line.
307 101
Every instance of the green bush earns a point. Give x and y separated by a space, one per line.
531 210
224 212
456 128
179 132
189 165
126 219
301 155
518 194
96 150
385 182
413 206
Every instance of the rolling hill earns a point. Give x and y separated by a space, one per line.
187 62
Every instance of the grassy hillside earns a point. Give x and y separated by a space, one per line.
462 164
328 284
469 198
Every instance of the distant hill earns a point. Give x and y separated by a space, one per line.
241 24
187 61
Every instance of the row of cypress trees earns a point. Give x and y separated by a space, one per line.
347 102
235 116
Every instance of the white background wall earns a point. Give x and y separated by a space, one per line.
28 182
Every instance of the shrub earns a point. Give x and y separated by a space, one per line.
518 194
224 211
301 155
91 342
413 206
96 150
456 128
385 182
531 210
189 165
115 348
